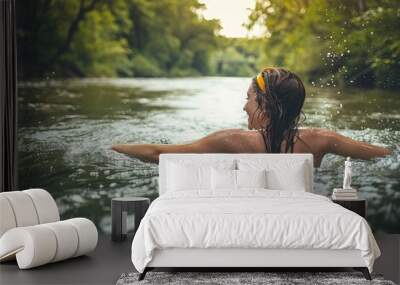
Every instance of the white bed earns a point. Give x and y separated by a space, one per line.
282 224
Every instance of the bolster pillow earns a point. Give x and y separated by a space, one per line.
40 244
26 208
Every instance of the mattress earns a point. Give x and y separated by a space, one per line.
252 218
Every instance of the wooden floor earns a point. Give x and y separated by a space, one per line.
110 260
103 266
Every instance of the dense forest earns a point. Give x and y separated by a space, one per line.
113 38
353 42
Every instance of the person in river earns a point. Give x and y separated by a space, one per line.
274 105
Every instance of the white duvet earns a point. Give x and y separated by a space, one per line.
254 218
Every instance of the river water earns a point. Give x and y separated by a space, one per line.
66 129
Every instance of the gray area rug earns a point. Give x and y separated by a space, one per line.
228 278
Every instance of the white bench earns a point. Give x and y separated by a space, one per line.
31 231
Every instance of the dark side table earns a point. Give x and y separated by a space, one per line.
358 206
119 214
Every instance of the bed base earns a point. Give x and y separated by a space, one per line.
243 259
364 270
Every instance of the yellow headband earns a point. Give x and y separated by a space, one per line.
261 82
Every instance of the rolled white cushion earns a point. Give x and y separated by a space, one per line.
33 246
40 244
87 234
67 240
46 207
7 219
23 208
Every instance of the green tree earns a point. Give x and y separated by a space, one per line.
350 42
113 38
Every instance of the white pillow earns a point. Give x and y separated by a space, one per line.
226 179
186 177
292 180
186 174
251 178
281 174
223 179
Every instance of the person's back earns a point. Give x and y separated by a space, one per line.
275 99
316 141
309 140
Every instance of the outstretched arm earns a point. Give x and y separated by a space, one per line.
149 152
341 145
228 141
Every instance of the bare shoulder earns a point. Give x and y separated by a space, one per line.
312 140
324 137
316 133
234 141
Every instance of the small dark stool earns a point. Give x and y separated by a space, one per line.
358 206
119 214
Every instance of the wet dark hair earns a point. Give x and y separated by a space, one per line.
282 102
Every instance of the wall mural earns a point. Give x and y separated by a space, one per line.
96 73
